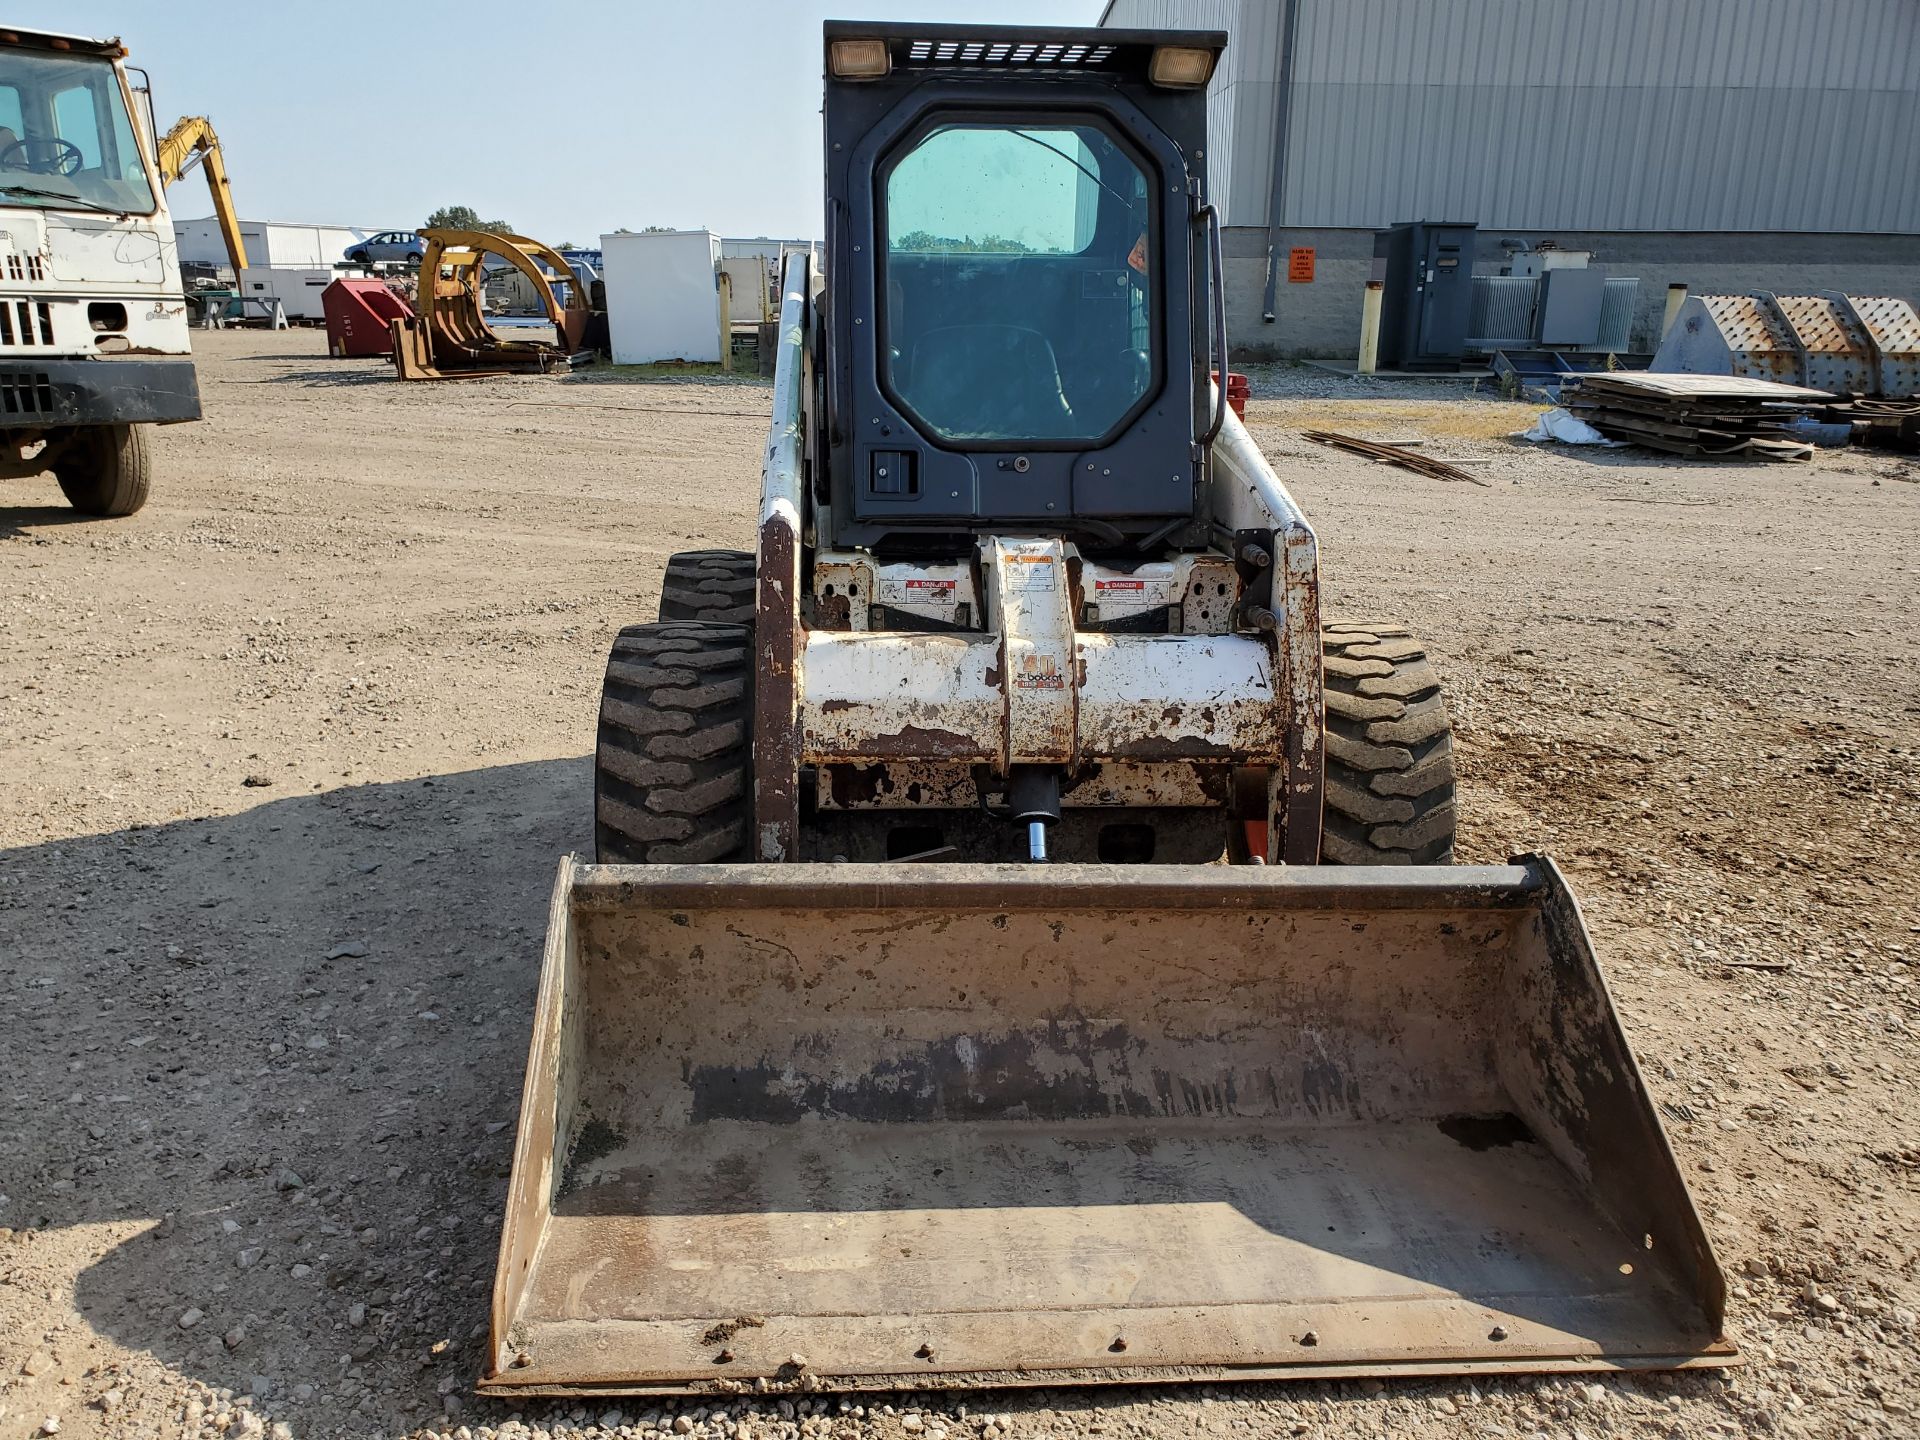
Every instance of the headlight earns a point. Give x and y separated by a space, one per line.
1180 67
859 59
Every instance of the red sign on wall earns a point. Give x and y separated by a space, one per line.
1300 266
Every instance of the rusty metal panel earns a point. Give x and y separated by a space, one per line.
1834 351
948 785
806 1127
1201 697
885 695
1893 329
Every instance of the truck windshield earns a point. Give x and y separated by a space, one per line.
66 138
1019 282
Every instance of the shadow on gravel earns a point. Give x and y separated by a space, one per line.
320 379
294 1038
17 521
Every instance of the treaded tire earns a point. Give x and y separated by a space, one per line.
673 770
1389 797
709 585
105 470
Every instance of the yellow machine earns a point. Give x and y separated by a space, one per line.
192 140
449 335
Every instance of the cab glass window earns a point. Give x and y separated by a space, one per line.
1019 282
66 137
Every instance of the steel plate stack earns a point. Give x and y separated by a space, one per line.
1722 415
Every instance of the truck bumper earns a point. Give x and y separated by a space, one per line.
36 394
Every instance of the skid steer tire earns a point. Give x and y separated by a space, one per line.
105 470
709 585
672 773
1389 795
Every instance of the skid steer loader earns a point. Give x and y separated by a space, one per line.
833 1085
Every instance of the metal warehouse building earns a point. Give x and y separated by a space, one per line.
1728 145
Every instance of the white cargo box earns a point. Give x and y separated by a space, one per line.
663 299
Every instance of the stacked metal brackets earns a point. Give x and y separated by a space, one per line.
1846 344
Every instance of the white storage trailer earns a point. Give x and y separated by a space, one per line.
275 244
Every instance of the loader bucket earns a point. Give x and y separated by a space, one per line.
816 1127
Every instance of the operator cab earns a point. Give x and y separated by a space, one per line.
1021 308
67 131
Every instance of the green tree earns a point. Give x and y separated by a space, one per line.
465 217
926 242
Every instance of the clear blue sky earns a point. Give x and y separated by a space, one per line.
644 113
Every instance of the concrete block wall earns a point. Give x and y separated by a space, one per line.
1321 319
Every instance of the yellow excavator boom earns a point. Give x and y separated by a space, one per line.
193 136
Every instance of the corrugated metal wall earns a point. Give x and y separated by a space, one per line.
1224 102
1661 115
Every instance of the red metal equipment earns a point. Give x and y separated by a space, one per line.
1238 391
360 316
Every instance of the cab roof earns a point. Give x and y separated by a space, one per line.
67 44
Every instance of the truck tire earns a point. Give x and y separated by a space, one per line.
105 469
709 585
1389 796
673 769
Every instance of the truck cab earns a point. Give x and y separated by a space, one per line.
92 316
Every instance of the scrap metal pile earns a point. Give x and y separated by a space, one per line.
1891 424
1392 455
1718 415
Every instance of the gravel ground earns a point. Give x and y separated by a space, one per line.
293 753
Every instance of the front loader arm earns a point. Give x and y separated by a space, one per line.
1248 502
777 639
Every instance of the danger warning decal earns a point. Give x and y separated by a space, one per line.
1133 590
917 592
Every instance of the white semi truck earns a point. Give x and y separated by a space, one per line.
93 325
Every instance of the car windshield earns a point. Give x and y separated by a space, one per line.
1019 282
66 137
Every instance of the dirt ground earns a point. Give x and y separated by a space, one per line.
292 753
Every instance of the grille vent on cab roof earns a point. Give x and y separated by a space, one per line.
1004 53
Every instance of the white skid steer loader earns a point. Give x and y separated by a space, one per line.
833 1084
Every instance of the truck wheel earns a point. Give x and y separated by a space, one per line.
673 771
709 585
105 469
1389 794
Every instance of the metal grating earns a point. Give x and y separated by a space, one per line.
25 267
25 392
1501 317
1619 297
1002 54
